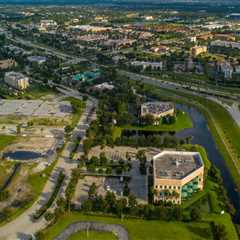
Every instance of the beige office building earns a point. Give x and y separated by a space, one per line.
157 109
177 175
16 80
197 50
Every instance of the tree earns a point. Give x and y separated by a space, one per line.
18 129
126 190
68 129
195 214
220 232
87 205
103 159
4 195
132 201
141 156
92 191
148 119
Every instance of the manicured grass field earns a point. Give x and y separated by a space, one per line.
183 121
93 236
140 229
5 141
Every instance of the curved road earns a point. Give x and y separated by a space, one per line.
23 226
116 229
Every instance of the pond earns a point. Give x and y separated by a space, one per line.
22 155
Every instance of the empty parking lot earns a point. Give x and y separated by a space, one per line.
35 108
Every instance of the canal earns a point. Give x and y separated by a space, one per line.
202 136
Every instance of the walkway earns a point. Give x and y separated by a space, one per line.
116 229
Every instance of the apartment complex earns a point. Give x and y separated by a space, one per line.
16 80
177 175
157 109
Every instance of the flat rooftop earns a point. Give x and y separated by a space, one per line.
156 107
35 108
176 165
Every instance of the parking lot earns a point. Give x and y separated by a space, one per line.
35 108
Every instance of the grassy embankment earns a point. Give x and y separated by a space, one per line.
224 129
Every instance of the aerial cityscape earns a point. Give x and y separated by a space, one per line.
119 120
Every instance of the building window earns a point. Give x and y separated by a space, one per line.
160 186
170 187
165 187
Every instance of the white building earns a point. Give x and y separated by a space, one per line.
152 65
47 24
37 59
16 80
228 44
226 68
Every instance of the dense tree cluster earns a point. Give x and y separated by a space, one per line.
128 206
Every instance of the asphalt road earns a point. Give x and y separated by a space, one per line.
233 110
23 226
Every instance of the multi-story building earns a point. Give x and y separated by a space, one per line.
195 51
177 175
227 44
145 65
16 80
158 109
47 25
225 68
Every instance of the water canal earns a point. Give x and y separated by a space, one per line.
201 135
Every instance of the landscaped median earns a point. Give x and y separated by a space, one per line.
53 196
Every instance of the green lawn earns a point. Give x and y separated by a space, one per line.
183 121
6 140
78 107
38 180
139 229
37 91
93 236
